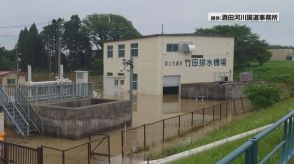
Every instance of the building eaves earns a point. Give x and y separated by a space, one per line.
166 35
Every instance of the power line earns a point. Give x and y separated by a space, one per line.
21 26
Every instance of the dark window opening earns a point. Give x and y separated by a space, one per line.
171 90
172 47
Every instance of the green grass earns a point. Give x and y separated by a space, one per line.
279 71
238 125
214 155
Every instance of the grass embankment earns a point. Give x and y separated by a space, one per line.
214 155
273 71
277 73
238 125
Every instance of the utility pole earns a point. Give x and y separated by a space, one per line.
17 54
60 30
59 45
131 64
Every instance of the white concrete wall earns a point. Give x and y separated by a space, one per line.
146 65
210 47
281 54
150 63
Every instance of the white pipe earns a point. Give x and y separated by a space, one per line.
61 72
29 73
43 82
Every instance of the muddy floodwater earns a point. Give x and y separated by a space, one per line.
146 109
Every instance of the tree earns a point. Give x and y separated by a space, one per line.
105 27
6 59
77 44
248 46
31 49
22 46
51 36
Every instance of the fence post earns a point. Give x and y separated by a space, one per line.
122 144
179 125
290 138
192 119
89 151
203 116
284 154
226 109
220 111
242 104
40 155
108 145
163 127
63 157
144 135
253 151
213 113
234 106
5 150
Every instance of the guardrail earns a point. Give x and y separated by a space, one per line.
250 148
52 92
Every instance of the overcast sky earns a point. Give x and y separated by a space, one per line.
178 16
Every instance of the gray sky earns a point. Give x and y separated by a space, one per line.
147 16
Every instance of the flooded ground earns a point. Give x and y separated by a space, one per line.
153 108
146 109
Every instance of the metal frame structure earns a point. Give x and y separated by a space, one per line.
16 101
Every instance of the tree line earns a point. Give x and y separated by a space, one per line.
80 43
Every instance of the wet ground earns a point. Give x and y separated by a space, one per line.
146 109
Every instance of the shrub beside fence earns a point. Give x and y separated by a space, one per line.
156 133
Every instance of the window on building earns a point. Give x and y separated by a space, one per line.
109 73
116 82
122 82
134 49
110 51
135 81
10 81
79 76
120 74
172 47
121 50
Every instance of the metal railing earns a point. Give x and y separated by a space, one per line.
13 153
250 148
56 92
14 114
93 151
28 111
155 134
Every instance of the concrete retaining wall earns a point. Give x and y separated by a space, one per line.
77 122
214 91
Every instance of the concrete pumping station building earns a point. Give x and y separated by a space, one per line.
164 62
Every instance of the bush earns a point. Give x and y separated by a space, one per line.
282 78
262 95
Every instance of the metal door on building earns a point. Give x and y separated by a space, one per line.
171 81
